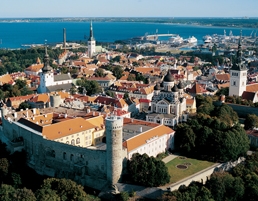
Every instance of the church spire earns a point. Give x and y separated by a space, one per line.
47 68
91 38
239 65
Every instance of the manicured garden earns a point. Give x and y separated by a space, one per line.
182 167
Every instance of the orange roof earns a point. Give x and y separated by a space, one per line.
27 97
42 119
40 97
252 87
224 85
141 139
79 63
225 77
189 101
65 128
5 79
97 121
63 94
34 67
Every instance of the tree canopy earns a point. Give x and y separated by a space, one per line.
213 134
91 86
148 171
251 121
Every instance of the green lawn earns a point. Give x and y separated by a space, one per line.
178 174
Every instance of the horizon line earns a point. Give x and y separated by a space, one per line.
246 17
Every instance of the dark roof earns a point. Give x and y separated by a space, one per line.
169 77
62 77
175 89
181 85
157 86
60 87
31 124
248 95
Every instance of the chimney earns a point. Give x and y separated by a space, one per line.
65 115
34 110
15 115
140 129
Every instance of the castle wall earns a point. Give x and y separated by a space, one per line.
85 166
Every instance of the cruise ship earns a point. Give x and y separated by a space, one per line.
192 40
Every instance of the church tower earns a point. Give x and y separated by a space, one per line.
238 74
46 76
91 43
114 136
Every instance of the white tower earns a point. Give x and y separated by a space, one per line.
46 76
114 136
238 74
91 43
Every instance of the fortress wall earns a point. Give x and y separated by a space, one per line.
84 165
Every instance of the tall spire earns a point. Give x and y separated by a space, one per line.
91 38
46 68
239 65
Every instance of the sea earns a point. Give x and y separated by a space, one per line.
15 35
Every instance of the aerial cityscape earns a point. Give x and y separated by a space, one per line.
114 101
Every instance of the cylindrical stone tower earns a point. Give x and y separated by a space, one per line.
114 136
55 100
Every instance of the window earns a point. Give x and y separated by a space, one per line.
71 157
233 83
72 142
77 140
64 156
234 74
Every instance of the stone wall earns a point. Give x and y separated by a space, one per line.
84 165
201 176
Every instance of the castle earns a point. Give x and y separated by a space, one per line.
88 147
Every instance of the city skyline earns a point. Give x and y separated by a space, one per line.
133 8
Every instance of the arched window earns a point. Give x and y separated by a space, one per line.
78 141
71 157
72 142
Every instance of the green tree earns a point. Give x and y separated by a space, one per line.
99 72
23 106
4 165
20 83
24 195
223 91
118 72
45 194
251 121
91 86
66 189
131 77
185 138
116 59
16 180
148 171
7 193
126 95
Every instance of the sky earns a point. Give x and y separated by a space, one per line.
128 8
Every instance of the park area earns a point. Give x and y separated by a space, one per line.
182 167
